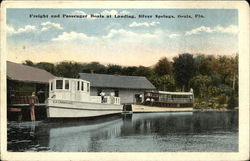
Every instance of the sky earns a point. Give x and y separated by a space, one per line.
127 41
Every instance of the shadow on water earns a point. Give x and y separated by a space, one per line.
197 131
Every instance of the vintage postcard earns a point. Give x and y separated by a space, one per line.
124 80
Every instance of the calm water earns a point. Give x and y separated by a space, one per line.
151 132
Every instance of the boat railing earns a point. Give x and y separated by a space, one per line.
117 100
105 99
95 99
183 100
111 100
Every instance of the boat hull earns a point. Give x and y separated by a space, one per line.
77 109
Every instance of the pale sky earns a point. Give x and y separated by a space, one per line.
124 41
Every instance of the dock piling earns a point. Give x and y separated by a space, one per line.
32 113
32 110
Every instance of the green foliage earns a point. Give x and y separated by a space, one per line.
202 65
213 91
226 68
200 85
68 69
184 69
232 102
129 70
114 69
225 89
163 67
49 67
216 80
144 71
222 99
28 62
164 83
94 67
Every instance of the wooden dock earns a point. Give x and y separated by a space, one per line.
19 104
145 109
19 108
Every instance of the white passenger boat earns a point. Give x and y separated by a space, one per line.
70 98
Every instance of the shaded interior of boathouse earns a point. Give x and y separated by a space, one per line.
27 90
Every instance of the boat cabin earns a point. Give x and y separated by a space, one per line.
169 99
77 90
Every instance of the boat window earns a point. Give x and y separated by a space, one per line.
87 87
59 84
51 85
78 85
66 84
82 86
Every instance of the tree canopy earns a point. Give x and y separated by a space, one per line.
211 77
184 69
163 67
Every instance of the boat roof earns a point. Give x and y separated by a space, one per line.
76 79
176 93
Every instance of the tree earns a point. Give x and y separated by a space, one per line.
49 67
165 83
225 89
144 71
114 69
232 102
129 70
202 65
201 84
233 79
213 91
94 67
228 72
68 69
29 63
163 67
184 69
226 68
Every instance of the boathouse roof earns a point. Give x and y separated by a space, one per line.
25 73
117 81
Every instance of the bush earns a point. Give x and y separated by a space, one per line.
232 102
222 99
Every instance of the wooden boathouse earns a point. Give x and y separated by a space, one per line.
130 89
27 89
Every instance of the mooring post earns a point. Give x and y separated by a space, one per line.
20 116
32 113
32 110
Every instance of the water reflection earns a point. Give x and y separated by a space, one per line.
198 131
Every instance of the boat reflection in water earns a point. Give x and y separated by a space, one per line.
83 137
148 132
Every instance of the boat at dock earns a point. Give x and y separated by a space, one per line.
169 99
70 98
